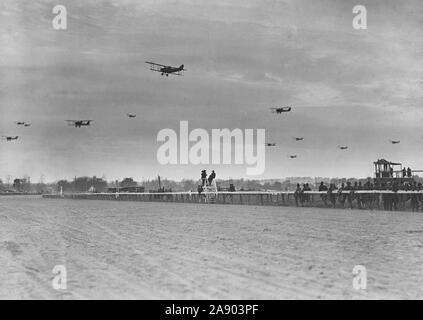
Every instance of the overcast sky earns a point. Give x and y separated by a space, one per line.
347 87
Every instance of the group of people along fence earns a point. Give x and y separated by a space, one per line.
334 196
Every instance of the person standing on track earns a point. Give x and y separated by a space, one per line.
324 196
332 195
204 178
212 176
341 196
349 196
297 195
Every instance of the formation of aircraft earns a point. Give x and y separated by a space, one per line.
166 70
18 123
79 123
281 110
9 138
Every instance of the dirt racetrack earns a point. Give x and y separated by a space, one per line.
141 250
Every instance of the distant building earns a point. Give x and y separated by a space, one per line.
131 189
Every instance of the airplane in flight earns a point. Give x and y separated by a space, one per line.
281 110
166 70
270 144
23 123
293 156
343 147
9 138
130 115
299 138
394 141
79 123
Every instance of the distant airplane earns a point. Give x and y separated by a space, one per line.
281 110
271 144
298 138
166 70
394 141
293 156
343 147
130 115
79 123
8 138
23 123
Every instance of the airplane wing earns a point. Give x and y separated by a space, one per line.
155 64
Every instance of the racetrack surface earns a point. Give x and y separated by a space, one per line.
141 250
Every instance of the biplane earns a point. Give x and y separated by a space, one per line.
130 115
8 138
394 141
79 123
166 70
299 138
281 110
293 156
343 147
270 144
